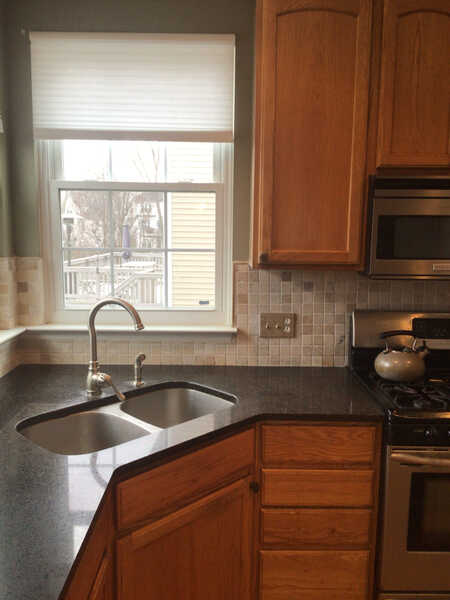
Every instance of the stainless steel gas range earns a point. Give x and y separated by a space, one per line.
414 557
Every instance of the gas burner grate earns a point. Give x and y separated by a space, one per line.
429 395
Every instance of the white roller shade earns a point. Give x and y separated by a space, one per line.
133 86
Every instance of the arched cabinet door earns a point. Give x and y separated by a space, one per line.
414 115
311 113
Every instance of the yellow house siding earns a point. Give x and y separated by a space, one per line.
193 226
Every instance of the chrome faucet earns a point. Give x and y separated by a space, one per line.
96 380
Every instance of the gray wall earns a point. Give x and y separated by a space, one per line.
5 206
164 16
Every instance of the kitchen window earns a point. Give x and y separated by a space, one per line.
136 178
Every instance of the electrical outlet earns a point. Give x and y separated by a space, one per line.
277 325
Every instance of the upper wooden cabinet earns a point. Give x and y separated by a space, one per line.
414 123
311 113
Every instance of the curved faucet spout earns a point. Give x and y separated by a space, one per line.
91 323
96 380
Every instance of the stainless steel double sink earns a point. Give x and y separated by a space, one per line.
101 424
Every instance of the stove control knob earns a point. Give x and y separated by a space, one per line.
429 433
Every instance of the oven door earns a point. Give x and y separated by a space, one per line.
415 553
410 237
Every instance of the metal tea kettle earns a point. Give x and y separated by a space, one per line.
406 364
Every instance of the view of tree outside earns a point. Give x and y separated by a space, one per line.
116 242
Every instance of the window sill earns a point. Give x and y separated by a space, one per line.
127 329
7 335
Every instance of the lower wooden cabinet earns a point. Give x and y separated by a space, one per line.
318 511
199 527
201 552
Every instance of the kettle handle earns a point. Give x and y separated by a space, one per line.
387 334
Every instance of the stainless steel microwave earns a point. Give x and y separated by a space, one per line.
409 228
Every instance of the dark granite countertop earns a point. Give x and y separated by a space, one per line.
48 500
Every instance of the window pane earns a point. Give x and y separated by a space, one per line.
192 220
87 276
85 218
162 162
138 219
190 162
86 160
192 279
140 161
139 277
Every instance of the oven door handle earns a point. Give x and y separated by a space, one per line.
408 458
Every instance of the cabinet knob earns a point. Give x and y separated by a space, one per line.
254 486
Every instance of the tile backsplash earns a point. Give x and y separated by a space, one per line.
21 292
8 293
9 357
322 300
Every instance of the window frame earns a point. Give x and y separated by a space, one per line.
57 313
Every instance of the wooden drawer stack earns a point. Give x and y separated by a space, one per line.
317 511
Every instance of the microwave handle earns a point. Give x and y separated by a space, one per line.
410 459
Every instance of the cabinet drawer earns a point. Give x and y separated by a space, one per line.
314 575
293 487
156 492
315 527
318 445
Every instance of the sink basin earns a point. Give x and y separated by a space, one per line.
81 433
176 403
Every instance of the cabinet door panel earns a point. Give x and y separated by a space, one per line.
199 552
414 121
312 139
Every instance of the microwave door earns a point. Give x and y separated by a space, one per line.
410 238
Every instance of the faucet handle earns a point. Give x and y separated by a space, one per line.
105 380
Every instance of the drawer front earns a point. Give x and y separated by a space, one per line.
315 527
314 575
318 445
162 489
291 487
288 594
